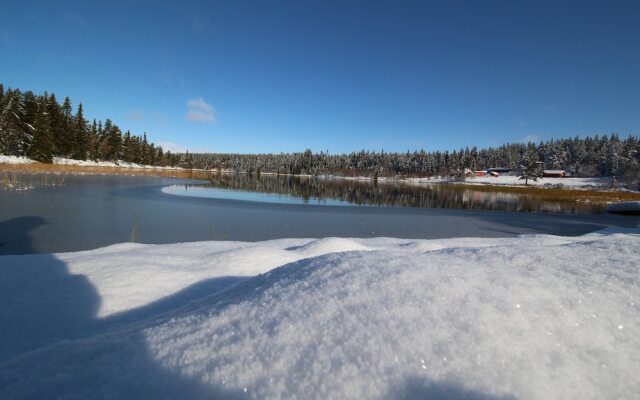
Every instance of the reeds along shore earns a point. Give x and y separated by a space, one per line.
14 176
101 170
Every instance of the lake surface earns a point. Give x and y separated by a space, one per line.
345 192
84 212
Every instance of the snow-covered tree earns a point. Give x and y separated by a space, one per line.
529 167
15 135
42 146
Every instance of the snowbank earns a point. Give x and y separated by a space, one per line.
85 163
532 317
15 160
89 163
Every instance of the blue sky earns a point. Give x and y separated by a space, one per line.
278 76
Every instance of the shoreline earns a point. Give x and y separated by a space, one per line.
592 190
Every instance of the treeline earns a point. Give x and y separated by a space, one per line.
40 128
605 155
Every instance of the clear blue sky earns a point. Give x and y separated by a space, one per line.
272 76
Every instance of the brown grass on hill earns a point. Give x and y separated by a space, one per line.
558 194
99 170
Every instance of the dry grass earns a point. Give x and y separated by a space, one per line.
8 179
90 170
19 181
556 194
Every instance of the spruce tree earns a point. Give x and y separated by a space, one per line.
42 146
530 167
15 136
30 108
79 130
146 151
126 147
114 141
57 125
94 141
104 152
66 144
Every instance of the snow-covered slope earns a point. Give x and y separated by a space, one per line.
538 317
85 163
15 160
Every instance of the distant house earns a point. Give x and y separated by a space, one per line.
554 173
499 170
487 173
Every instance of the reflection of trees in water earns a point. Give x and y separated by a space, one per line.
395 194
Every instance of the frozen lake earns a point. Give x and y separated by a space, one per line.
87 212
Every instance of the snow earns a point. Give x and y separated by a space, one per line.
86 163
512 180
15 160
89 163
532 317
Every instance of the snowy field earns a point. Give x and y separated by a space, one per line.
531 317
511 180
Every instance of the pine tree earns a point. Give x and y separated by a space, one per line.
79 131
557 157
474 158
126 147
67 139
56 121
42 147
614 157
30 109
147 151
104 152
94 142
114 141
15 136
530 167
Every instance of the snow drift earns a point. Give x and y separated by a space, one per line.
537 317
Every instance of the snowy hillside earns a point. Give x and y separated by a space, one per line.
84 163
533 317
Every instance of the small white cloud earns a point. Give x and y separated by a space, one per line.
199 110
134 115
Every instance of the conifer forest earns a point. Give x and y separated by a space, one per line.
40 128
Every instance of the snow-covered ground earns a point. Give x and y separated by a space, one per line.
532 317
511 180
89 163
85 163
14 160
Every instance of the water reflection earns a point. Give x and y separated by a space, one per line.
309 190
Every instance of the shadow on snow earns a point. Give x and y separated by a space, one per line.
42 304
